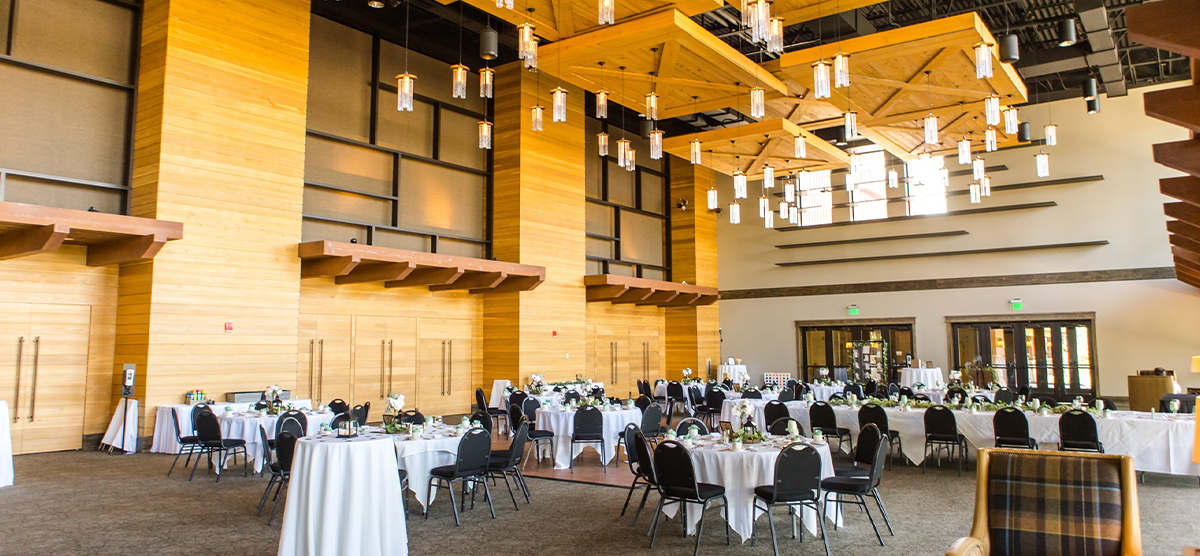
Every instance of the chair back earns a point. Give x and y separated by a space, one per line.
588 420
674 467
674 390
480 400
873 413
869 440
338 405
1047 401
266 445
639 387
797 473
855 389
518 398
412 417
292 421
629 435
980 399
361 412
791 384
196 410
517 448
652 420
1104 403
178 433
531 406
1077 428
871 387
645 458
597 393
774 410
513 413
208 428
1023 391
821 416
907 392
1005 396
642 402
696 397
956 395
285 450
517 420
1010 423
894 389
682 427
787 395
940 423
261 404
876 475
572 396
714 399
779 426
751 394
473 452
485 420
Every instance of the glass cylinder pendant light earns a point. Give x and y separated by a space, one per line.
975 195
630 159
964 151
758 105
850 122
983 61
623 148
656 138
694 150
1011 122
485 134
985 186
821 79
989 140
1043 164
504 4
855 162
789 191
602 143
799 147
735 213
405 83
1051 135
558 96
803 180
841 70
775 36
525 40
769 220
764 206
783 210
531 56
652 105
536 116
793 215
602 104
991 109
893 179
931 129
768 179
713 202
608 12
458 83
487 79
739 184
978 168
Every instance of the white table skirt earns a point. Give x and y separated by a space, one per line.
938 395
822 392
930 376
739 473
760 417
562 422
164 431
498 387
344 498
124 423
6 450
736 373
245 427
420 456
766 396
1158 444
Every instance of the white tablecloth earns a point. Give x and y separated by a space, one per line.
164 431
739 473
498 387
760 419
822 392
1158 444
124 423
766 396
938 395
6 451
543 399
420 456
736 373
344 498
931 377
239 426
562 422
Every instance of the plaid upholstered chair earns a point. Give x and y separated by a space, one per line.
1094 510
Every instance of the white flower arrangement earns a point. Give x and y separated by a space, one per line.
743 409
687 372
273 391
395 402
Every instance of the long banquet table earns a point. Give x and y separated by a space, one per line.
244 426
419 456
344 498
561 421
164 430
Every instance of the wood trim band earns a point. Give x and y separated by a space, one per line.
1074 277
901 256
963 212
873 239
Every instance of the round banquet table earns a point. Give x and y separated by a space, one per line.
6 461
344 498
739 473
543 399
419 457
760 418
164 430
561 422
244 426
766 396
736 373
822 392
938 395
498 387
930 376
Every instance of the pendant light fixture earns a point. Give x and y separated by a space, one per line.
983 60
775 36
656 139
850 124
526 43
487 80
405 82
458 72
489 41
602 143
841 70
991 109
623 146
783 210
735 213
558 97
1011 121
799 147
1066 33
1010 48
758 105
978 168
1051 132
793 215
975 195
535 113
1024 134
1091 89
855 162
893 178
630 159
821 79
1042 160
713 201
608 12
768 180
694 144
652 102
789 189
602 97
931 129
1093 106
769 221
964 150
485 134
764 205
985 186
989 140
739 180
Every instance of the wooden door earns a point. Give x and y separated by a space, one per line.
615 360
334 355
445 366
58 377
370 360
646 342
306 359
15 339
402 359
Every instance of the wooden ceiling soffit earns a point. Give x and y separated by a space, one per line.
110 238
892 92
642 291
353 263
800 11
560 19
758 144
690 62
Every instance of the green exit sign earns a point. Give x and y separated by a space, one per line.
852 310
1017 304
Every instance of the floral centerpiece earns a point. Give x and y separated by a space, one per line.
748 436
273 392
687 376
537 383
743 411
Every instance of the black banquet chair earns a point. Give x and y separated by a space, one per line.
751 394
941 431
503 463
787 395
412 417
642 402
572 396
715 401
338 405
1005 396
1077 432
361 412
677 485
1012 429
779 426
774 411
675 395
470 466
484 419
858 488
494 412
537 438
629 438
821 417
874 413
588 429
797 486
682 427
652 426
281 470
188 444
208 429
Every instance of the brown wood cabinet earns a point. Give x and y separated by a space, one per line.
43 373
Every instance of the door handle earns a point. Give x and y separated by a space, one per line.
312 350
391 366
450 365
320 369
382 367
17 398
33 389
443 367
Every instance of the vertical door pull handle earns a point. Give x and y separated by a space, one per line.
33 389
17 399
312 351
382 367
320 369
391 366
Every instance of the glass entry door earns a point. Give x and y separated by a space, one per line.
829 348
1052 358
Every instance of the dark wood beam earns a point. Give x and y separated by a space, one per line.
32 241
1183 211
1179 155
606 293
1184 243
427 277
659 297
514 284
1179 106
872 239
946 253
329 266
1186 255
377 272
473 281
1172 25
634 295
684 300
1184 188
1179 227
127 250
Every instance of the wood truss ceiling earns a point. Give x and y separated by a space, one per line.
750 147
561 19
111 238
355 263
643 291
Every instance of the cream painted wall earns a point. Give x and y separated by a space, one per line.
1140 324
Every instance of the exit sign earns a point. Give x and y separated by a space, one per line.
852 310
1017 304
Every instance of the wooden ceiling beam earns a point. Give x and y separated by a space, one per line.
328 266
1175 106
474 281
563 18
377 272
1186 229
514 284
817 9
1184 243
126 250
668 59
606 293
33 240
659 297
683 300
933 63
427 277
1182 211
634 295
1186 255
1184 188
756 165
1179 155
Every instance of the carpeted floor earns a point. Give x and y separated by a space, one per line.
91 503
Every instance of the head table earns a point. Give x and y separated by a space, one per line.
344 498
739 472
561 421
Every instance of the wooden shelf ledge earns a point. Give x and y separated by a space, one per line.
110 238
354 263
618 289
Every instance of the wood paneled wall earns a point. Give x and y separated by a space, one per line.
693 333
538 218
63 278
220 147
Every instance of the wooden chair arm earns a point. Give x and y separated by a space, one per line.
967 546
